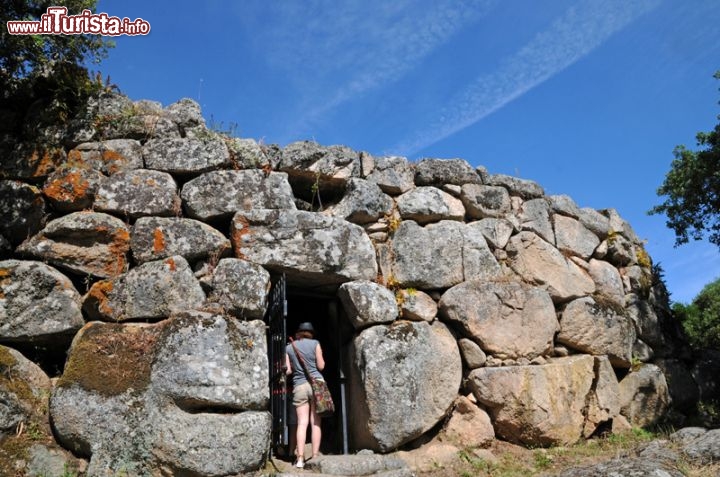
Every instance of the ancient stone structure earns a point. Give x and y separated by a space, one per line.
145 245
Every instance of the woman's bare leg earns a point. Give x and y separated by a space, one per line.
303 417
316 431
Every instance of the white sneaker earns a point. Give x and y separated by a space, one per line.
300 463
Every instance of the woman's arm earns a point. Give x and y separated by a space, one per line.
288 368
319 360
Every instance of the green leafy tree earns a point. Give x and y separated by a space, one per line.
45 66
701 318
692 190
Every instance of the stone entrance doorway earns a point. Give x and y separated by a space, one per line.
334 332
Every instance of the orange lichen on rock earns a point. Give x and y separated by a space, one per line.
238 234
113 158
158 240
118 248
44 161
171 264
98 297
67 188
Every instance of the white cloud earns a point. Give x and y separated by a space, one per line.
582 28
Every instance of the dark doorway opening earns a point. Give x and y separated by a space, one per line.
334 331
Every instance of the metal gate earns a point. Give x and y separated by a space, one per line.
277 339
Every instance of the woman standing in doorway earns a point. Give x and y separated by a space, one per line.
311 353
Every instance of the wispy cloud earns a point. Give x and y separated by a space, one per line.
574 35
336 51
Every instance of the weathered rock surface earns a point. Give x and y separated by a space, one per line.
700 445
416 305
240 288
607 280
308 160
508 320
248 154
534 216
524 188
594 221
363 202
625 467
185 113
440 255
405 376
563 205
682 387
644 395
37 303
155 238
595 329
30 161
497 232
434 172
86 243
536 405
604 398
483 201
429 204
310 248
109 157
469 425
393 174
143 397
22 210
152 290
24 388
538 262
138 193
366 303
573 238
72 189
220 194
472 354
186 156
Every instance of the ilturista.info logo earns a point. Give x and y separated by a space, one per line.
56 21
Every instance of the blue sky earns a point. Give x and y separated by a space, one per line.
586 97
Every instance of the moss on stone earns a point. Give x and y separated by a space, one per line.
110 358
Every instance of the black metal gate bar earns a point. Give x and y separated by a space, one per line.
276 319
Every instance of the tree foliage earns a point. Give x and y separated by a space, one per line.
692 190
45 66
701 318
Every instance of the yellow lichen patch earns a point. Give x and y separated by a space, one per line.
643 259
111 359
99 297
151 182
67 188
158 241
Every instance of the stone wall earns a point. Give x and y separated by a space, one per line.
144 244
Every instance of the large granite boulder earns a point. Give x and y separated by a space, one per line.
220 194
22 210
608 281
573 238
534 216
86 243
138 193
393 174
416 305
311 249
182 395
437 172
508 320
429 204
37 303
155 238
72 189
109 157
240 288
440 255
404 379
644 395
536 405
523 188
538 262
24 389
604 398
153 290
469 426
366 303
186 156
363 202
497 232
598 329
